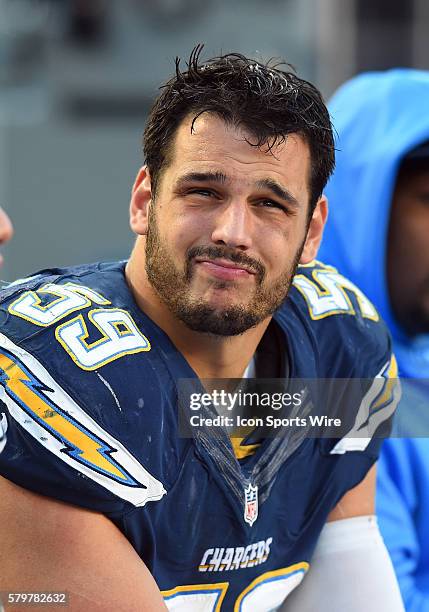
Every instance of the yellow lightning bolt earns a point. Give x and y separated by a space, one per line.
88 448
389 387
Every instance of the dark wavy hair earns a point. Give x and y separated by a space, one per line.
264 99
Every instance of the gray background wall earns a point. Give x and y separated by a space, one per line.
77 79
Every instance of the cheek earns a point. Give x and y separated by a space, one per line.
409 253
280 244
409 228
419 246
185 231
413 237
277 256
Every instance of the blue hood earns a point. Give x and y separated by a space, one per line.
379 117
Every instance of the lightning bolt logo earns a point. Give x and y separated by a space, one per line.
390 374
80 443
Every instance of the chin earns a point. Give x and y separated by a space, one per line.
228 321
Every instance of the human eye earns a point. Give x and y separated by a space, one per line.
274 205
202 192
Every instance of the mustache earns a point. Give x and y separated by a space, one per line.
218 252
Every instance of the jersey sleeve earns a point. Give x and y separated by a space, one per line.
366 407
354 355
62 432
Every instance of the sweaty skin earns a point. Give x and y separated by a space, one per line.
243 213
220 192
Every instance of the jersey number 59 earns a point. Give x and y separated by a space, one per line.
91 339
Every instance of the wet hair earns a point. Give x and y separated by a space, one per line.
262 98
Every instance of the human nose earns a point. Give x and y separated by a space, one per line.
233 226
6 229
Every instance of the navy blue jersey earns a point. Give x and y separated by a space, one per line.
89 416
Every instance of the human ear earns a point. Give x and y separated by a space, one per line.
315 231
141 198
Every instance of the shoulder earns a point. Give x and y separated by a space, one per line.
350 349
74 321
51 295
71 305
81 382
344 326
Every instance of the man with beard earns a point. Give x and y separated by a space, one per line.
382 183
104 496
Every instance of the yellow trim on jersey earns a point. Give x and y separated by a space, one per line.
88 346
284 572
37 304
87 294
316 262
392 372
241 452
221 587
387 394
342 283
26 391
322 291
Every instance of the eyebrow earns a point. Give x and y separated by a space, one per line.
203 177
219 177
280 191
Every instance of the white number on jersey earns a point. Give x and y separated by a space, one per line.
117 333
326 295
119 336
265 594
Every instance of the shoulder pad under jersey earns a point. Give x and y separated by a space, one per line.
85 398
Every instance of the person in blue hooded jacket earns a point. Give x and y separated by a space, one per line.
378 235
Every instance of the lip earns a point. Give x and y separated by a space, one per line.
224 269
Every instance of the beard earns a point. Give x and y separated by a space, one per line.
414 316
173 286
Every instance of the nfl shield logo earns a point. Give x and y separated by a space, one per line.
251 504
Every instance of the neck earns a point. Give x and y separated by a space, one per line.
210 356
